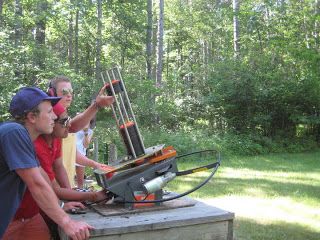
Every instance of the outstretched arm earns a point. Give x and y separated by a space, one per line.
82 119
84 161
61 173
73 195
48 202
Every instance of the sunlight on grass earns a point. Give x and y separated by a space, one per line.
266 211
274 197
309 178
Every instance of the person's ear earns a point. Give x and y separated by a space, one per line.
31 117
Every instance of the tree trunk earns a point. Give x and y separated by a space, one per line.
154 45
18 25
17 34
236 34
160 44
1 7
70 41
98 41
96 149
40 37
112 154
282 4
168 58
205 58
149 40
88 67
317 24
76 42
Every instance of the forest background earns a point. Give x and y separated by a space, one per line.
242 76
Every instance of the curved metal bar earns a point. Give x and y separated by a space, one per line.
218 163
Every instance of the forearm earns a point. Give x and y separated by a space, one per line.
49 203
45 176
101 101
61 174
62 178
84 161
43 195
82 119
72 195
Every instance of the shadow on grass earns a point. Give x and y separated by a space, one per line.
246 229
265 184
237 186
298 162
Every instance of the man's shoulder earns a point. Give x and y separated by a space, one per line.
11 123
9 126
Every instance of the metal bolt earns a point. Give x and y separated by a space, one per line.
142 180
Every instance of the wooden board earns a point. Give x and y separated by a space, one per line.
113 209
198 222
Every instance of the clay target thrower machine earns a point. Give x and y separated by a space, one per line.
139 178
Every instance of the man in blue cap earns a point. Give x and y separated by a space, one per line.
32 110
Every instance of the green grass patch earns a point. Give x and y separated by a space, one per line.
275 196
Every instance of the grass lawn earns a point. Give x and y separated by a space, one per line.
273 196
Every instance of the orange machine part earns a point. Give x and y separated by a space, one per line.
142 197
127 124
107 169
166 153
113 83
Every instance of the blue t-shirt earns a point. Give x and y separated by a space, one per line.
16 152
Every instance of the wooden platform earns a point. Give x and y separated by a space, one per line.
194 221
109 210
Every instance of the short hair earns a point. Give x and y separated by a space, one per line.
54 81
21 119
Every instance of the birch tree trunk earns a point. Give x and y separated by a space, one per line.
316 33
96 149
41 23
40 37
149 40
236 34
17 26
17 31
98 41
160 44
205 58
70 41
154 44
76 42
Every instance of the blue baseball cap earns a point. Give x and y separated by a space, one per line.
28 98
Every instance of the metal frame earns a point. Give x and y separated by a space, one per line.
119 106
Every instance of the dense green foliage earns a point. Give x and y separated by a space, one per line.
267 99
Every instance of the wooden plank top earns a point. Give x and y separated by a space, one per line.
200 213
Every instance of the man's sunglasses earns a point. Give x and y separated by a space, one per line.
64 121
66 91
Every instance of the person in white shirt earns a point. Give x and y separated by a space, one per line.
83 138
